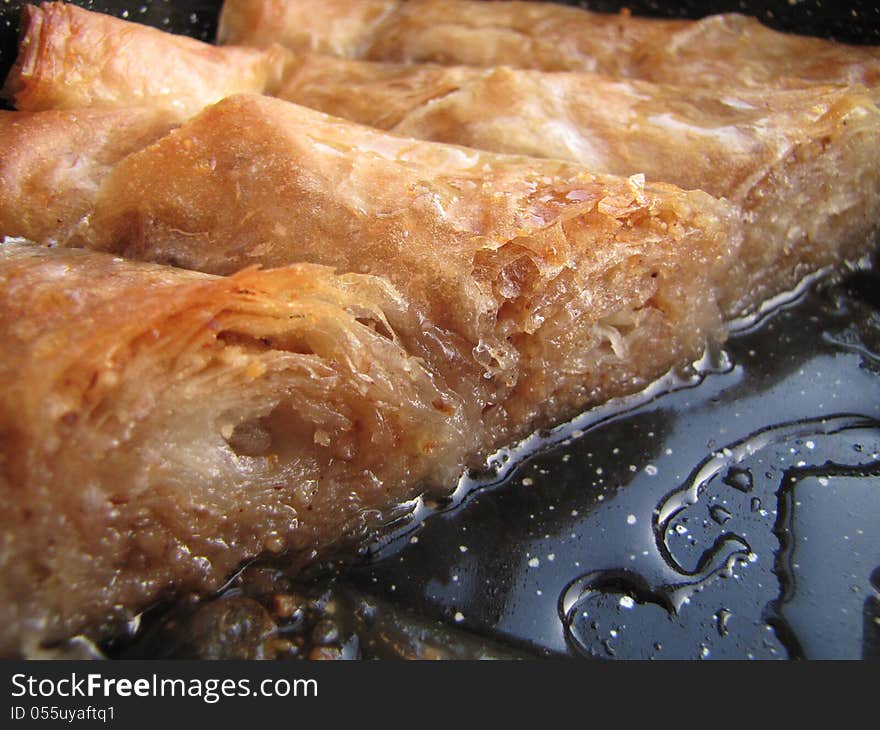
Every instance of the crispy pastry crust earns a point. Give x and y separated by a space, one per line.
71 58
145 405
158 427
718 50
53 162
517 264
800 163
759 150
161 426
345 24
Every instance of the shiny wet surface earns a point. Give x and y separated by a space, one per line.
734 519
732 516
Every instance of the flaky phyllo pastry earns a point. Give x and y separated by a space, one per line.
513 262
717 50
70 58
513 291
53 161
801 165
313 321
772 155
160 426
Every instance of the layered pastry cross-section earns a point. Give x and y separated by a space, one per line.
158 427
517 264
800 164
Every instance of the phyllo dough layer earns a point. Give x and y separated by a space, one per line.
70 58
53 162
159 426
801 164
557 287
719 49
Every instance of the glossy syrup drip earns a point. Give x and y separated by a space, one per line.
501 465
680 526
604 610
729 511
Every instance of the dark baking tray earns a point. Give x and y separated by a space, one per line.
733 516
